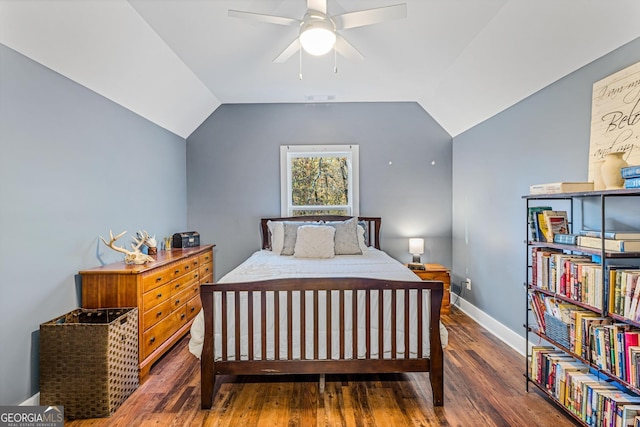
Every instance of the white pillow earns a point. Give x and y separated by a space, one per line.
276 229
314 241
361 242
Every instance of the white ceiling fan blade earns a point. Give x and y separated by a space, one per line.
370 16
346 49
319 5
288 52
259 17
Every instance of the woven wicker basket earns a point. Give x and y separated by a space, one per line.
557 330
89 361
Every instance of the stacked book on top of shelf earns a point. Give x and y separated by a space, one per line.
560 187
631 175
614 241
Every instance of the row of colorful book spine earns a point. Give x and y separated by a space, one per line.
610 346
592 399
574 276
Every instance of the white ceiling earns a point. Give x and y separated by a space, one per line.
175 61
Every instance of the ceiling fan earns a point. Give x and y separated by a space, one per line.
319 31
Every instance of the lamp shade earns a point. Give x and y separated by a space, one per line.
416 246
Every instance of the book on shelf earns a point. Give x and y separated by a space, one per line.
630 171
632 235
632 287
560 187
541 226
565 238
629 414
536 301
632 183
536 233
555 222
612 245
630 342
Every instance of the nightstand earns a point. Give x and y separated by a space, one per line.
441 273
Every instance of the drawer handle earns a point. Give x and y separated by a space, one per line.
177 271
195 276
159 314
182 316
186 267
193 308
160 295
158 279
195 262
152 340
177 285
177 301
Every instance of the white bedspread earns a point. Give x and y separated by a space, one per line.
264 265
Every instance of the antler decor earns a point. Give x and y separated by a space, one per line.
142 237
135 257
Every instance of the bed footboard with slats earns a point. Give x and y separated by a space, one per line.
321 326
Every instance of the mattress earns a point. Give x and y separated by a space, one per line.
264 265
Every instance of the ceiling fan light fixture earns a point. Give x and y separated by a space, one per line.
317 35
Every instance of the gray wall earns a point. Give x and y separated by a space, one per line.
73 166
544 138
233 172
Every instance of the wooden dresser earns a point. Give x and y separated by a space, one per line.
441 273
166 292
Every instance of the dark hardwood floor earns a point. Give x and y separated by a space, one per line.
484 386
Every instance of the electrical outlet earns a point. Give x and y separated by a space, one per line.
468 284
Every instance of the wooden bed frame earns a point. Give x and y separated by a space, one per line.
312 363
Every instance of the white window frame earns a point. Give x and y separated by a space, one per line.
288 152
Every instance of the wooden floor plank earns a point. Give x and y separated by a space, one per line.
484 386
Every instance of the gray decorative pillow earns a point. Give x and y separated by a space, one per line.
346 239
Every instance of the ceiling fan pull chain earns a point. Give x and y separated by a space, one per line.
335 61
300 64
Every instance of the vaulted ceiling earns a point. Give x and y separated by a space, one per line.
175 61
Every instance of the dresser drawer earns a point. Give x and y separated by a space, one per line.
181 283
193 307
155 296
180 268
206 269
156 314
441 276
180 298
195 262
156 278
205 257
158 334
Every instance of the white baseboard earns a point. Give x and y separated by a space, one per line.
501 332
32 401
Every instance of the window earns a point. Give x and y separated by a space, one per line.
319 179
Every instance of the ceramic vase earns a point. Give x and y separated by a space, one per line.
610 170
598 183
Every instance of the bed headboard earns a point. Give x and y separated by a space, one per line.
371 226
